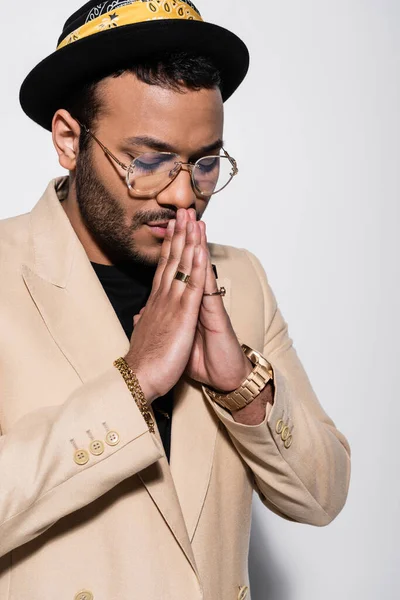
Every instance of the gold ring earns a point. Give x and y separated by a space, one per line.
182 277
221 292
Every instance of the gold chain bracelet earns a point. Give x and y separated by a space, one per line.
134 387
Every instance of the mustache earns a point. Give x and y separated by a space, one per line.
152 216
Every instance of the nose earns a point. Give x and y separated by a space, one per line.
179 193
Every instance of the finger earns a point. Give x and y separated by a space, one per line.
211 284
185 264
203 235
192 214
183 231
164 256
193 294
197 233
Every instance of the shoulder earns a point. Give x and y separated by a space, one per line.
237 262
246 272
14 238
14 230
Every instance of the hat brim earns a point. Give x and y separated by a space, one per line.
52 82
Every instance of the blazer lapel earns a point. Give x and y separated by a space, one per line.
68 294
82 322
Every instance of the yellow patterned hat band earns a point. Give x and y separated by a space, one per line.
110 15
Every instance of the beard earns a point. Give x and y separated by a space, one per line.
106 219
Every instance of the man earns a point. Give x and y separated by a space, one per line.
135 424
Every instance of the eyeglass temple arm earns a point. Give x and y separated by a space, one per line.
105 150
232 161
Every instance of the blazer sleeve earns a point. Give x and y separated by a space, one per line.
42 476
308 481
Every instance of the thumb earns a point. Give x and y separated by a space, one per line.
137 318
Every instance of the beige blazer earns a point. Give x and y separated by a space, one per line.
112 520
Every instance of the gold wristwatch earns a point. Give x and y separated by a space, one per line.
250 388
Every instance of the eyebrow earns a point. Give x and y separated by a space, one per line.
160 146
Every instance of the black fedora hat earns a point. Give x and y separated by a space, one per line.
102 37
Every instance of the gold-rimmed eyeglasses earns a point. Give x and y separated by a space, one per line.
151 172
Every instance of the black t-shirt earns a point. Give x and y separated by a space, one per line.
128 288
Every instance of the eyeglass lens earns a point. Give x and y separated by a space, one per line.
151 172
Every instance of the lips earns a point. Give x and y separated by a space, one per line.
159 230
163 225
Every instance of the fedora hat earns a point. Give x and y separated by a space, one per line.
102 37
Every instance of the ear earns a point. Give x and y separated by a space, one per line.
66 133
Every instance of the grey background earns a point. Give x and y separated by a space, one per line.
316 130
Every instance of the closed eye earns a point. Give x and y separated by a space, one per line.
206 165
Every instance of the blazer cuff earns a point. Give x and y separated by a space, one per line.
266 431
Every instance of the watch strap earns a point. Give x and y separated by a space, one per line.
250 388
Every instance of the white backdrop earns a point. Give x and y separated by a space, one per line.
316 132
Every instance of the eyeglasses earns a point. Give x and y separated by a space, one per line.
150 173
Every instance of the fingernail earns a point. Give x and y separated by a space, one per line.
171 225
190 227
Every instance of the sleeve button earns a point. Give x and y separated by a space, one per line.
81 457
96 447
84 595
112 438
288 442
285 433
279 427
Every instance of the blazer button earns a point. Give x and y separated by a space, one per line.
279 427
81 457
84 595
112 438
96 447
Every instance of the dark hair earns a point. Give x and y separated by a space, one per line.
175 71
